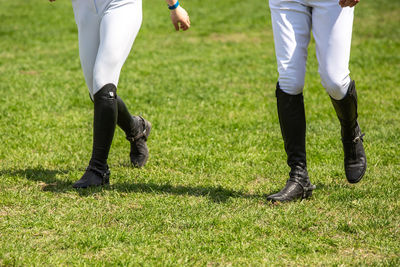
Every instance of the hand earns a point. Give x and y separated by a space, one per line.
180 18
349 3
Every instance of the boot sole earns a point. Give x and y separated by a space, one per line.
147 127
84 187
306 194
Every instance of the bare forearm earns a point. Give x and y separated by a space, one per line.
171 2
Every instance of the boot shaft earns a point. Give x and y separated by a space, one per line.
104 122
292 121
346 111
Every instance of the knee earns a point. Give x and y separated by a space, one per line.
335 86
101 80
104 74
106 93
291 83
291 86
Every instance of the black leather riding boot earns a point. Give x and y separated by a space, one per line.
105 119
355 160
293 127
137 131
125 120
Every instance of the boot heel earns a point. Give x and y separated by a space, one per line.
308 191
147 127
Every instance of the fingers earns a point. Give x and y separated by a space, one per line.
180 19
176 25
185 24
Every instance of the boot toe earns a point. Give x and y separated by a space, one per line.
93 177
79 184
292 191
355 173
140 154
355 160
139 161
277 198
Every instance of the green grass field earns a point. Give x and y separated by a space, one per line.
216 148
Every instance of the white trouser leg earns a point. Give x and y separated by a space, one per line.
291 24
118 30
88 22
107 30
332 29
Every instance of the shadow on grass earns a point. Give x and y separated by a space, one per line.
49 181
216 194
39 174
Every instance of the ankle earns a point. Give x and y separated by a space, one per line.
299 173
101 165
350 131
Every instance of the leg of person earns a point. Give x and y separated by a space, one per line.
113 48
291 25
88 22
137 130
116 49
104 121
332 31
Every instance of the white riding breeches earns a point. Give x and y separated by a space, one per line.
331 25
106 30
